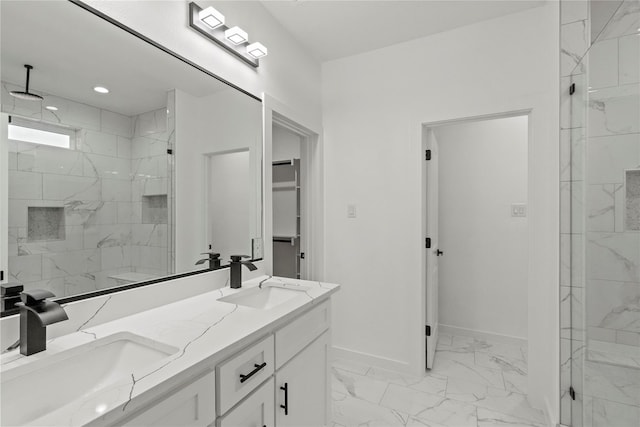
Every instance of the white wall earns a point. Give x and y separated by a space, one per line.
373 107
286 144
483 274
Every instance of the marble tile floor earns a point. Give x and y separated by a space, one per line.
474 383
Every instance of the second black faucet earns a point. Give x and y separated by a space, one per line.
236 270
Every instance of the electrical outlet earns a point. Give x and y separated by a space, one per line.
519 210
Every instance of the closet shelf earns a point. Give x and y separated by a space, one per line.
285 185
286 239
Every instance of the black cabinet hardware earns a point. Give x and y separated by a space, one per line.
439 252
285 388
243 378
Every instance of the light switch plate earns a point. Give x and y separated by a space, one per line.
351 211
257 251
518 210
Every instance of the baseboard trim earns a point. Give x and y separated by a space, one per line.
370 359
506 339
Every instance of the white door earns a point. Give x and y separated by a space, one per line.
433 252
302 387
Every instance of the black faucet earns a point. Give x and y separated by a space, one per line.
35 314
236 269
214 260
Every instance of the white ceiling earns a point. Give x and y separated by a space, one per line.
73 50
333 29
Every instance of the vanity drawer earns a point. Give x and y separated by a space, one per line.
242 373
299 333
190 406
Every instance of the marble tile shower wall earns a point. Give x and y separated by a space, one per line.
600 257
99 184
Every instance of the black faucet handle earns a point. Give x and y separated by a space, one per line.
238 258
212 255
35 296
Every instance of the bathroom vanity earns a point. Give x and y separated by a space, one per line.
257 355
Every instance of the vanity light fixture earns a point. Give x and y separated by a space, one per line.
257 50
101 89
211 24
236 35
211 17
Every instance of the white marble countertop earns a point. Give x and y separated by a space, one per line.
205 330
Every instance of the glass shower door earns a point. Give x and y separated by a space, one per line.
601 297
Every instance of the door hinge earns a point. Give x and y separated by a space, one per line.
427 330
572 89
1 275
427 155
302 255
169 151
427 242
572 393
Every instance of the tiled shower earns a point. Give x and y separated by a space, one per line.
600 206
97 214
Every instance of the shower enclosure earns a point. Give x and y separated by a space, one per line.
600 209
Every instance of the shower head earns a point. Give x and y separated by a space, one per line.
26 95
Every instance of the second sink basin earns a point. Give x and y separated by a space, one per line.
35 389
265 298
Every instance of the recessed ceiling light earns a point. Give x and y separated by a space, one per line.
51 108
101 89
211 17
257 50
236 35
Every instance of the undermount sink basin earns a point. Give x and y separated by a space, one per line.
33 390
265 298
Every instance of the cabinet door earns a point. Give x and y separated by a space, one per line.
302 387
254 411
191 406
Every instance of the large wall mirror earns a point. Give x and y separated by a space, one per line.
104 190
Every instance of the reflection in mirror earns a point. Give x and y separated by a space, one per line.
110 189
600 12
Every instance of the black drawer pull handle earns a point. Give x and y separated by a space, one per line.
286 398
243 378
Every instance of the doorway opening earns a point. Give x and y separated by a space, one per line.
287 192
294 208
476 259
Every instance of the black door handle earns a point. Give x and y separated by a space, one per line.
285 387
243 377
439 252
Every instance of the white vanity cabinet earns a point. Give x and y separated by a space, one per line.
281 379
299 394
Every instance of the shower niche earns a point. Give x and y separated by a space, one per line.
45 223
